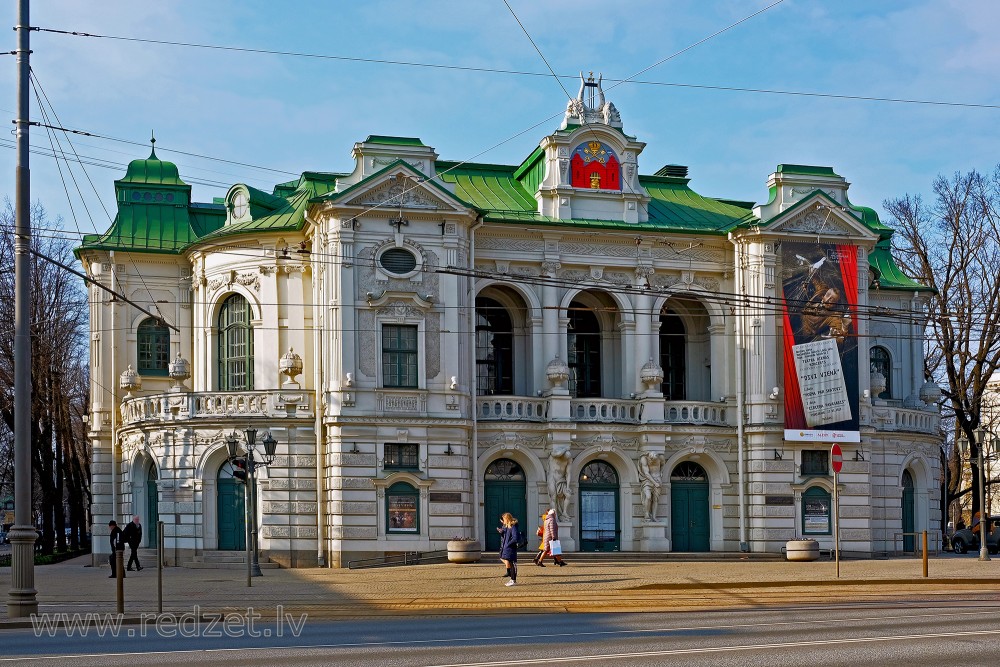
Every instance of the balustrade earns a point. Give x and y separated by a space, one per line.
199 405
514 408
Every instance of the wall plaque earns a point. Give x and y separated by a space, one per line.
779 500
446 497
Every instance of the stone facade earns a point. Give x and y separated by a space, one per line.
385 449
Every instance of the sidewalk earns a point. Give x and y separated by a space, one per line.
445 589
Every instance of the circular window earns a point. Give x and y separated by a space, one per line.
240 205
398 261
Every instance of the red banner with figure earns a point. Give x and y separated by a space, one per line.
820 308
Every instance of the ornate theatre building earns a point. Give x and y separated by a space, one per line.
432 343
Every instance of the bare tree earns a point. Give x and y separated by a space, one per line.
58 376
952 245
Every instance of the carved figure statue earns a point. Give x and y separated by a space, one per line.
650 467
610 114
559 461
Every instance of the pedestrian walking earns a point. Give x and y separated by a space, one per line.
510 535
116 543
537 560
550 540
132 535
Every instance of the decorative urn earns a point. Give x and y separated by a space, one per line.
930 393
651 375
877 384
130 381
178 370
557 372
290 365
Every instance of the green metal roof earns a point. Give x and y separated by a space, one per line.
145 228
496 190
806 170
152 171
288 215
393 141
890 275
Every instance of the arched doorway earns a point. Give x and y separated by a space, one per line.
152 517
908 512
505 491
599 508
689 517
231 507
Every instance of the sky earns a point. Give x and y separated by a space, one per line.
280 115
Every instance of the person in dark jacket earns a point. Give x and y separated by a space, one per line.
510 535
132 535
116 544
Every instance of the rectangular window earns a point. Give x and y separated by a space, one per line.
816 512
815 462
399 356
401 455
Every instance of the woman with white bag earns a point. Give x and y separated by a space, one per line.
550 540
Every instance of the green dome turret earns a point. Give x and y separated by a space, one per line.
152 170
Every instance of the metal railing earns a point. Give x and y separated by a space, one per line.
400 559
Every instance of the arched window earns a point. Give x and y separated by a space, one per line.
881 361
673 353
154 347
584 351
235 345
494 348
402 507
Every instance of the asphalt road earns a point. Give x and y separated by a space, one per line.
911 632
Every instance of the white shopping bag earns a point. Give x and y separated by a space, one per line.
555 548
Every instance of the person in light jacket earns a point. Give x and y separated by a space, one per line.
537 560
509 537
550 533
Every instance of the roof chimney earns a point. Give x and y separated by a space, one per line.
676 170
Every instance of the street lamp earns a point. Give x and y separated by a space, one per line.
984 438
247 462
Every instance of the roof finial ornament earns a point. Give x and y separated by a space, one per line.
152 145
590 105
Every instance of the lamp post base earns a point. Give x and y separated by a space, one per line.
22 599
984 554
255 571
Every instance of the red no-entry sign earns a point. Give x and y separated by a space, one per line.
837 458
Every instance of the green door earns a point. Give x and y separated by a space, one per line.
689 517
152 512
908 542
231 513
599 519
505 491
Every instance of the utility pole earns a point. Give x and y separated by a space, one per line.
22 599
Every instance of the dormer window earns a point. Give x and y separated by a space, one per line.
241 205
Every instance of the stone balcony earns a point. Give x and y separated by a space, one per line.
214 405
910 420
602 410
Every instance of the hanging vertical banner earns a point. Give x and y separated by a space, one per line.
820 289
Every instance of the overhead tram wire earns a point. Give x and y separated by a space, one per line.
459 164
768 305
106 164
36 84
513 72
390 201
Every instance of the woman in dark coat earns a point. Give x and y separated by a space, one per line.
509 537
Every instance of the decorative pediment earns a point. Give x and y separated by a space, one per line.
399 186
820 216
397 192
